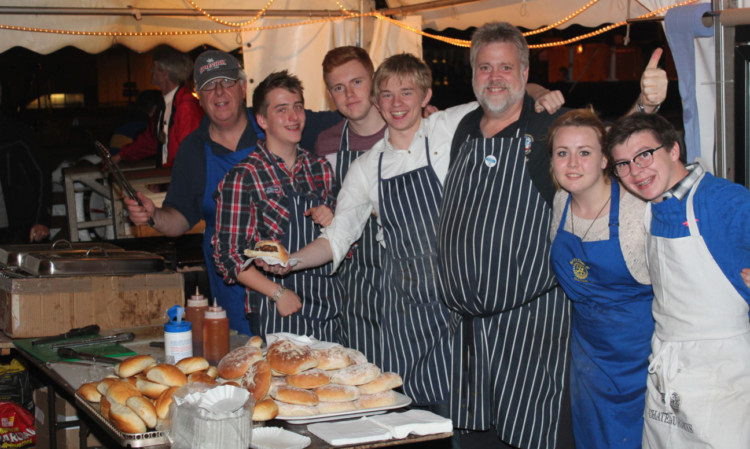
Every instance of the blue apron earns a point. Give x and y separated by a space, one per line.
414 334
361 276
611 336
229 296
319 292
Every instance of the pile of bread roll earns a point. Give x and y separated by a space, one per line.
295 381
290 380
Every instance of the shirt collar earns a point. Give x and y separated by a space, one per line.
682 188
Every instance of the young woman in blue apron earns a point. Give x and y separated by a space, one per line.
231 297
612 323
361 276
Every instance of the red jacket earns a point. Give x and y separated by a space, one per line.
186 115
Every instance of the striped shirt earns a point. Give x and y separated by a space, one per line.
252 204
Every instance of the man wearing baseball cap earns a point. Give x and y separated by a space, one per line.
227 134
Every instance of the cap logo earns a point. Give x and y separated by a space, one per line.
212 64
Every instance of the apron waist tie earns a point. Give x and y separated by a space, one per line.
665 366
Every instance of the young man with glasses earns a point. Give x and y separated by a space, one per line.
697 243
227 134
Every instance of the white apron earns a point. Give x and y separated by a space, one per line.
700 358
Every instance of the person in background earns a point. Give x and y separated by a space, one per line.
226 135
511 320
179 115
135 119
599 260
25 185
697 244
279 192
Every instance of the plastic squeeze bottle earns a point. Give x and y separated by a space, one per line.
178 339
194 312
215 334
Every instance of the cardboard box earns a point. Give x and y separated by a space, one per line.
36 307
67 438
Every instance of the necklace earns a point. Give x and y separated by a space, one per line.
573 221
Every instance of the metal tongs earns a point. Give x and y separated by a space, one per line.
124 336
77 332
69 353
118 175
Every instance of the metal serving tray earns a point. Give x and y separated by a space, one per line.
153 438
92 263
11 256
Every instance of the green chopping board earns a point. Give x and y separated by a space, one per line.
45 353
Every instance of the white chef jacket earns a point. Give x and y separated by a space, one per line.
358 197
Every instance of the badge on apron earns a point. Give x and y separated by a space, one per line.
528 140
580 269
490 161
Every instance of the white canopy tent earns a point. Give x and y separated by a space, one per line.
295 34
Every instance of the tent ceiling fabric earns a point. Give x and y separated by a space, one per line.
48 42
528 14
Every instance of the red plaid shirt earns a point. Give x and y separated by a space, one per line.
252 205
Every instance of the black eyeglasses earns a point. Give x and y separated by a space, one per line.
226 83
642 160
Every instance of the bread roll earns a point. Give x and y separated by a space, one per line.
385 381
356 357
257 379
335 357
296 396
163 402
212 371
289 410
265 410
336 407
377 400
268 248
134 365
289 358
144 408
125 419
235 364
256 341
150 389
192 364
355 374
104 384
309 379
104 407
120 391
201 377
233 383
337 393
89 392
167 374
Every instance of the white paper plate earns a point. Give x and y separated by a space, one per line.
277 438
271 261
401 401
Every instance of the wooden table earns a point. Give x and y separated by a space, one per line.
142 345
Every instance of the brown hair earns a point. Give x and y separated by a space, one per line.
275 80
404 65
341 55
658 126
499 32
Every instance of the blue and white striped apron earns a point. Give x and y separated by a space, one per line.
511 325
361 276
319 292
415 322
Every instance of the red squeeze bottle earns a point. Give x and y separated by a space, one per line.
215 334
194 312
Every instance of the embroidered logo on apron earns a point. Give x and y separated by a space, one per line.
674 402
580 269
528 140
490 161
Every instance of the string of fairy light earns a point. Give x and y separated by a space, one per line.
234 27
